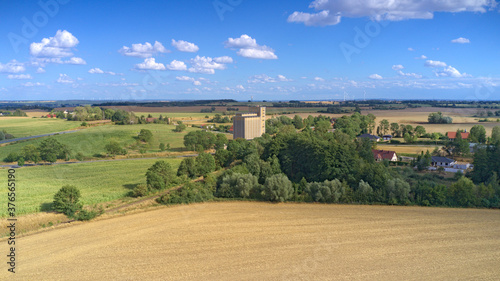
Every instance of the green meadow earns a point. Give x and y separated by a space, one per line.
26 126
93 140
98 182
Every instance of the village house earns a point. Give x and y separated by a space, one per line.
439 161
453 135
150 120
381 155
387 137
370 137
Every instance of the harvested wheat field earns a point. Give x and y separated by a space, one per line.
261 241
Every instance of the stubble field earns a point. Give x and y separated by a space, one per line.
261 241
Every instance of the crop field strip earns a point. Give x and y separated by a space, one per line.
261 241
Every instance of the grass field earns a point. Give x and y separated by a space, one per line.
98 182
25 126
93 140
408 149
262 241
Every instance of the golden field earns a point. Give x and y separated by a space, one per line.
263 241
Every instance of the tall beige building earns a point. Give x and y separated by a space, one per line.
250 125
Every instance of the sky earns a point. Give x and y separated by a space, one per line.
242 50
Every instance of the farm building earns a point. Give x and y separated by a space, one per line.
370 137
387 137
453 135
381 155
150 119
250 125
440 161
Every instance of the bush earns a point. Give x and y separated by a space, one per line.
162 147
145 135
278 188
66 200
79 156
12 157
20 162
159 175
238 185
140 190
395 141
84 124
86 215
190 193
114 148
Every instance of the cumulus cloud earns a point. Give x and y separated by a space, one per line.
205 65
100 71
184 78
422 57
31 84
64 79
249 48
433 63
319 79
40 70
185 46
329 12
263 78
12 67
411 49
177 65
375 77
224 59
19 76
397 67
58 46
240 87
460 40
450 71
197 83
145 50
150 64
73 60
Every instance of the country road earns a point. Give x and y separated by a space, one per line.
37 136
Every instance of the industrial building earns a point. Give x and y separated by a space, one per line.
250 125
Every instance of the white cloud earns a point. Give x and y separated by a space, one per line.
40 70
177 65
411 49
197 83
282 78
64 79
451 72
205 65
375 76
58 46
19 76
330 12
319 79
240 87
249 48
460 40
145 50
75 60
12 67
150 64
185 46
100 71
263 78
184 78
31 84
433 63
397 67
224 59
422 57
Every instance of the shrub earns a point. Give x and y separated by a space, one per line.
66 200
79 156
145 135
395 141
12 157
114 148
85 215
140 190
238 185
159 175
20 162
278 188
162 147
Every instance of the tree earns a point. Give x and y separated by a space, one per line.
495 134
438 118
364 191
477 134
297 122
2 135
395 129
162 147
238 185
278 188
30 153
397 190
384 126
145 135
188 167
460 146
409 138
461 193
206 140
20 162
51 150
220 141
66 200
205 164
179 128
159 175
223 157
435 137
419 131
113 148
327 191
322 127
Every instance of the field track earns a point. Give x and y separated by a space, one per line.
263 241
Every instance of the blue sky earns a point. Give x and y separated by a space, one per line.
272 50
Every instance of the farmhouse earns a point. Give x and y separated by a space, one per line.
387 137
370 137
150 119
453 135
440 161
250 125
381 155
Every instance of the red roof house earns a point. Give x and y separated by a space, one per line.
453 135
384 155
